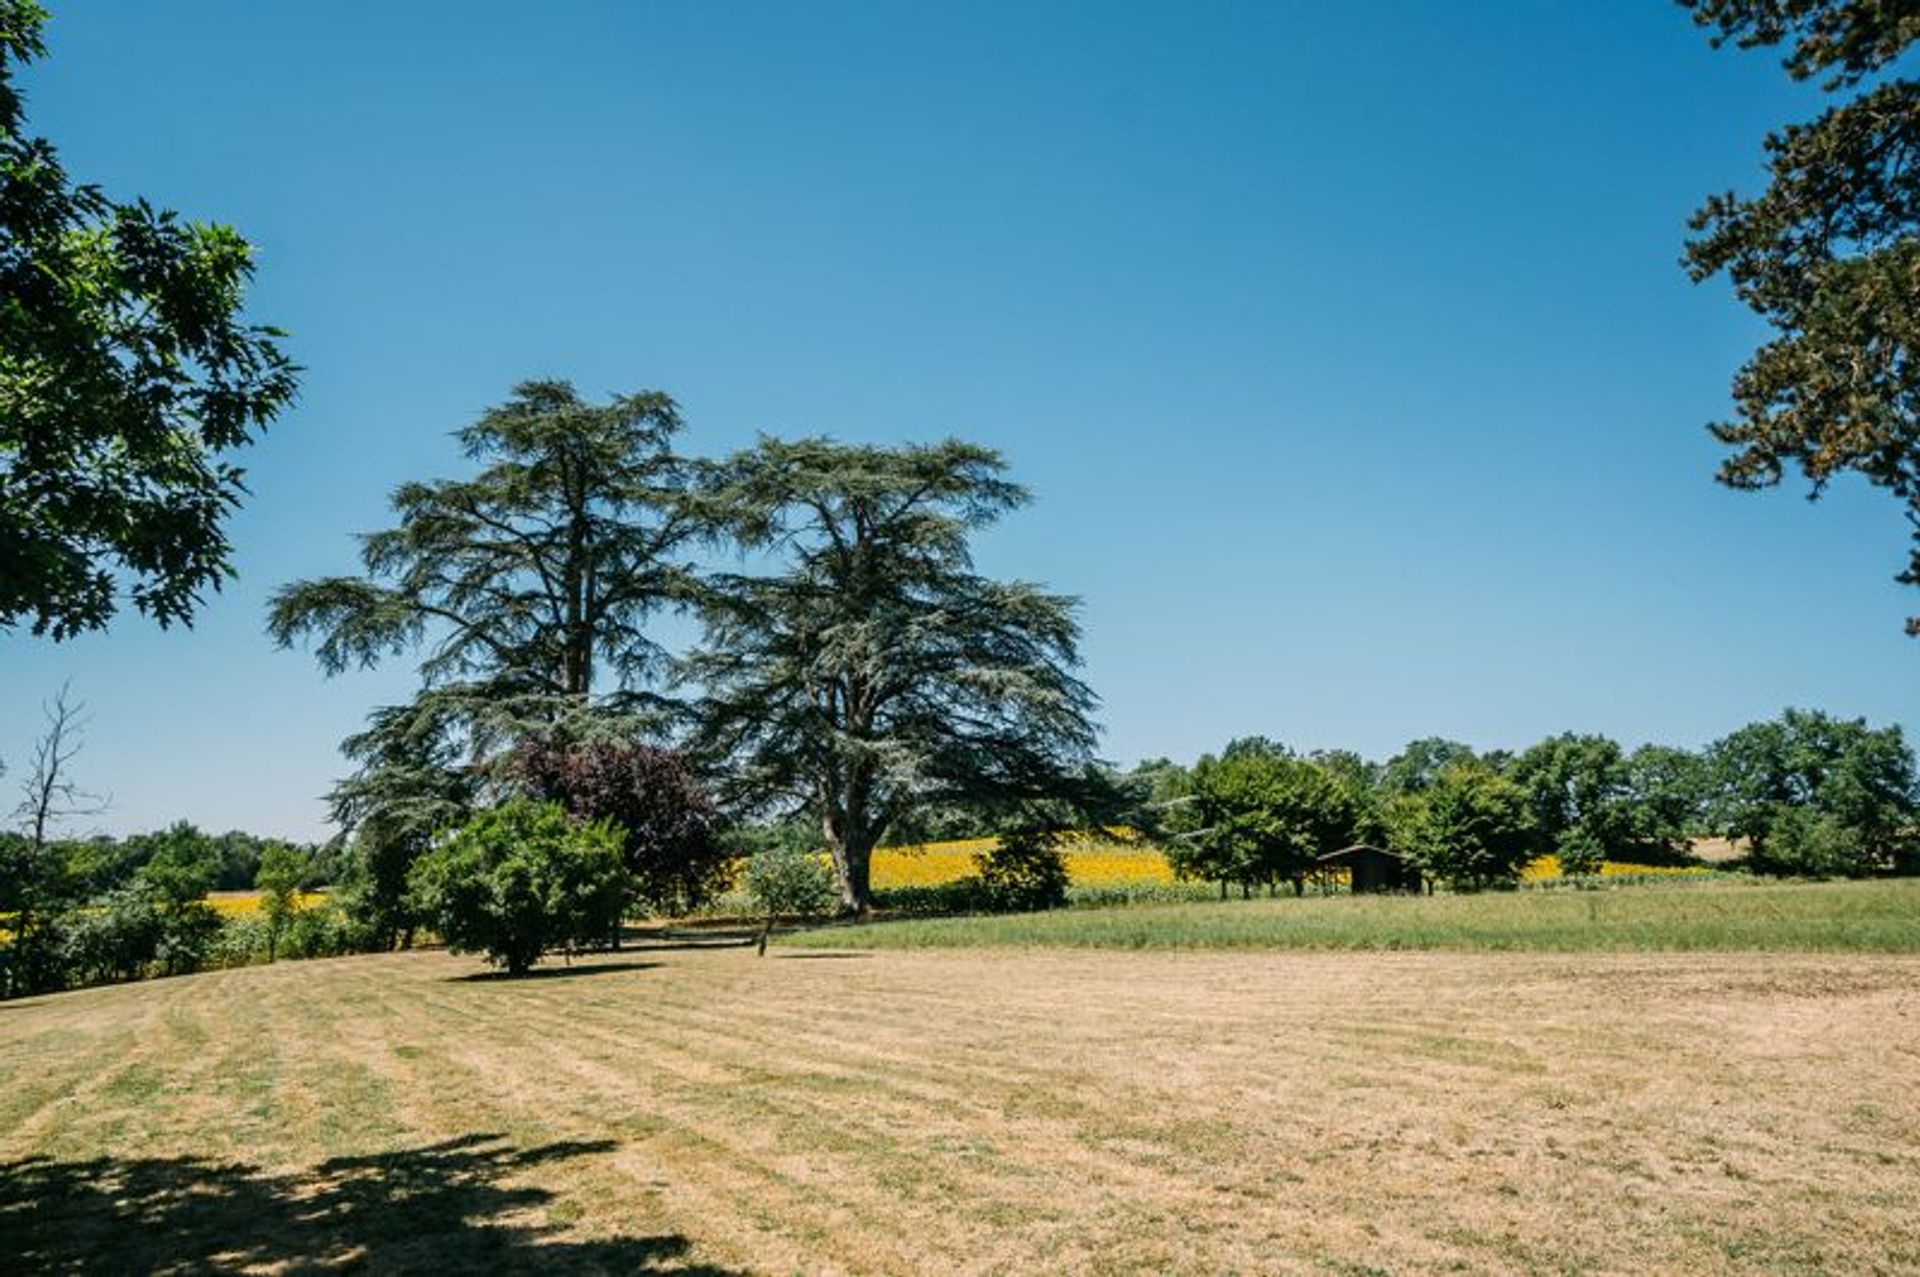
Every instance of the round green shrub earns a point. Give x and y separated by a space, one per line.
521 880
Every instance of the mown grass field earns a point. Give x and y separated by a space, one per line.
1715 915
699 1110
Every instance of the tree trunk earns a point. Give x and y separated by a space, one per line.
851 849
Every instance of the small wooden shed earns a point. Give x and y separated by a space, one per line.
1372 869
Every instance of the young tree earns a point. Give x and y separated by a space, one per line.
281 873
1023 870
1826 255
412 781
178 877
787 881
126 379
879 673
520 880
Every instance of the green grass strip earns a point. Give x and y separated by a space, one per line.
1714 916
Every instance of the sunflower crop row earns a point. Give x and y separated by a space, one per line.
1548 867
241 904
1091 862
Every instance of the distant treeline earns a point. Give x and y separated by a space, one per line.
83 911
1802 794
102 862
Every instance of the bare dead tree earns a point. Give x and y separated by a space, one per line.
50 795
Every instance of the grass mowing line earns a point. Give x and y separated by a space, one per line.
1839 917
1014 1112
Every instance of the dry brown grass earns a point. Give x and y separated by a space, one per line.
1719 851
1016 1112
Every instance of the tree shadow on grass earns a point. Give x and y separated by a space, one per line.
444 1209
555 973
669 938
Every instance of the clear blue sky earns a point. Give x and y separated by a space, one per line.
1344 346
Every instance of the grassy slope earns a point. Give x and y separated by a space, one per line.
1881 917
974 1112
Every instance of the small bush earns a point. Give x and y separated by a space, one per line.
790 882
1022 872
1580 853
1811 844
519 881
116 938
323 931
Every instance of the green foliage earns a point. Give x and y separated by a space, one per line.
1258 815
1573 783
527 588
282 870
1580 851
154 924
1666 788
372 882
529 581
1470 827
789 882
181 868
520 880
1023 870
322 931
670 830
1816 795
126 379
117 938
783 833
1826 255
101 862
878 674
178 878
1358 782
1586 805
1417 766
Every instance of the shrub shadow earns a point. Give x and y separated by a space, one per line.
554 973
442 1209
669 939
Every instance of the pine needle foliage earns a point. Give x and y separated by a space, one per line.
872 671
1829 256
